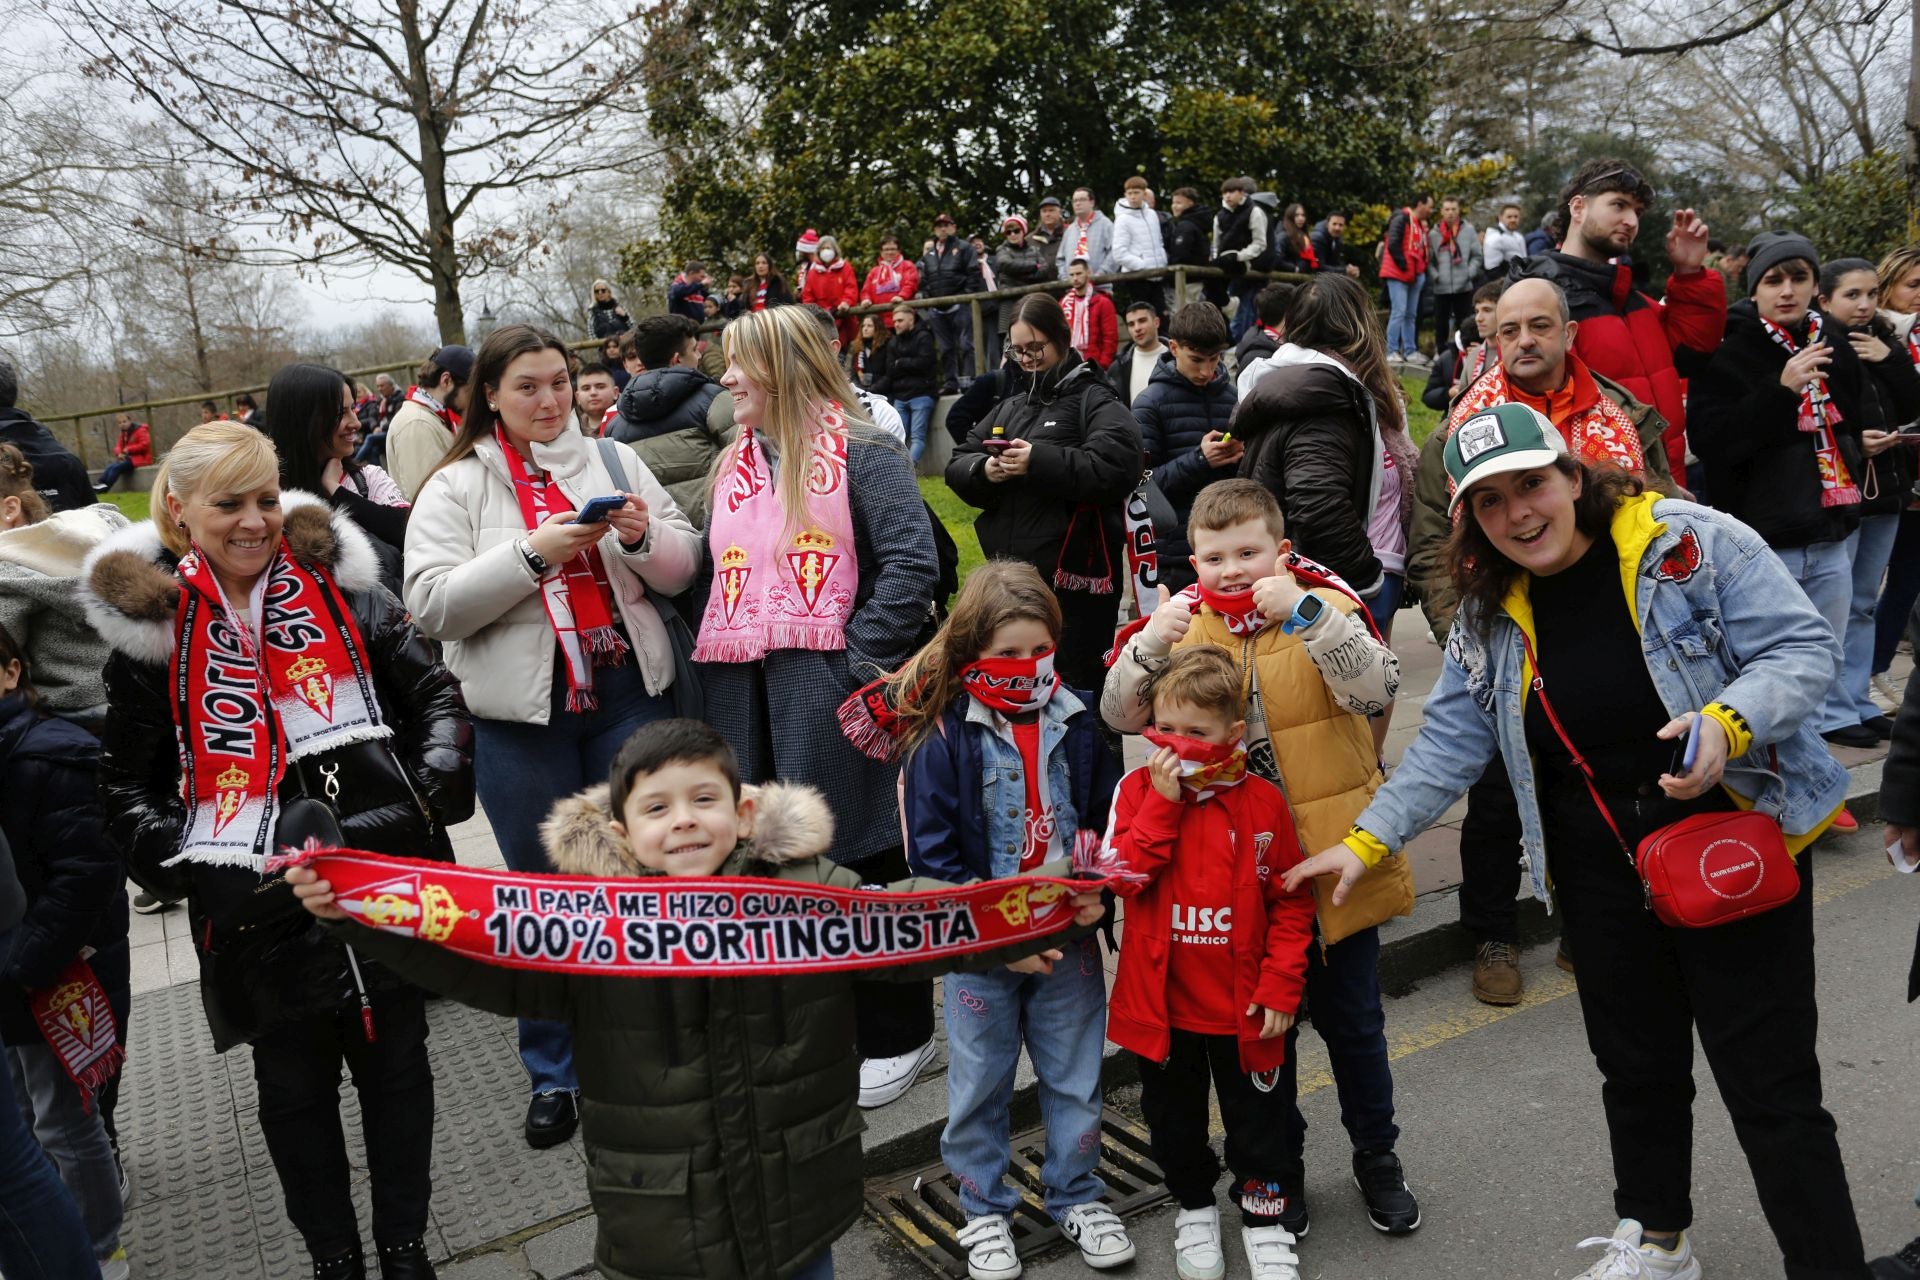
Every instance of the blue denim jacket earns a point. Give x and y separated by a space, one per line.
964 788
1720 620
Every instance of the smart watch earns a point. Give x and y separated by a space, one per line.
1304 614
535 561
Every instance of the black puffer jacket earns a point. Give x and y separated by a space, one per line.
910 367
1887 487
1310 440
656 402
610 319
1174 417
1086 453
50 813
1745 426
1190 238
396 796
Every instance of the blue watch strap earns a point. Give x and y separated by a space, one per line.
1299 619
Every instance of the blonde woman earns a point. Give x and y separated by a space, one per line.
202 660
546 621
823 577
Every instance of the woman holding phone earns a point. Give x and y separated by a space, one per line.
539 593
1599 628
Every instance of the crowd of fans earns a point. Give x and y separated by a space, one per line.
760 661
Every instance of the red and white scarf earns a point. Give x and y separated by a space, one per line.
883 282
1206 768
1238 613
1597 429
1818 416
76 1020
448 417
248 696
1080 246
578 597
1143 552
771 590
1021 687
1079 309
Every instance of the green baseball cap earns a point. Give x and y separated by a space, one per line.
1505 437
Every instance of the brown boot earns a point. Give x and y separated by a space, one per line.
1496 974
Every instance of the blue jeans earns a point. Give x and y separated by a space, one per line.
917 415
1850 701
821 1268
1062 1018
1825 572
373 449
1895 609
41 1234
1243 312
71 1133
111 474
1404 319
1343 1004
1385 602
520 770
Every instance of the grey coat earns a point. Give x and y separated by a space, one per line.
40 606
781 714
1444 275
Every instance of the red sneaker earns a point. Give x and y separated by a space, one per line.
1846 823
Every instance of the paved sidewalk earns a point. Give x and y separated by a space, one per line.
205 1198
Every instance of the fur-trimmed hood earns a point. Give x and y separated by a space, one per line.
130 590
792 824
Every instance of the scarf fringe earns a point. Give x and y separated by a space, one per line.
370 733
777 636
1081 582
1846 496
865 733
605 640
245 859
95 1075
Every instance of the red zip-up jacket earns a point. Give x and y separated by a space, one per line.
1271 930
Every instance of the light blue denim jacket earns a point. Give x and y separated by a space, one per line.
1003 785
1720 620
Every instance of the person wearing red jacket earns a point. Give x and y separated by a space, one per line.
1403 266
1090 317
133 450
1646 346
1214 967
892 279
833 285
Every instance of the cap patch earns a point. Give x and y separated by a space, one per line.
1482 434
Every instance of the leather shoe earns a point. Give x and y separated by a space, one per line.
1853 735
406 1262
1496 974
351 1267
551 1118
1882 726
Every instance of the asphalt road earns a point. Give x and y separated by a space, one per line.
1504 1141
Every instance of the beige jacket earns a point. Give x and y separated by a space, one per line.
469 587
416 441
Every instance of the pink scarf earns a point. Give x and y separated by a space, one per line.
770 592
1079 309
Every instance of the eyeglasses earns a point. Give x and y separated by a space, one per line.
1027 353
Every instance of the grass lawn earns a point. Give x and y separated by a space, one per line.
132 505
1420 420
958 517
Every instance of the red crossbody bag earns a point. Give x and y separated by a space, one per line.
1704 870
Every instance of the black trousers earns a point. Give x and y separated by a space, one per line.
1087 626
1490 858
953 331
1748 989
1449 309
1173 1100
297 1069
890 1018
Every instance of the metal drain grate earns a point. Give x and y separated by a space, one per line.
923 1207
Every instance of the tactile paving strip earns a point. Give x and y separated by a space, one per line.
206 1201
923 1208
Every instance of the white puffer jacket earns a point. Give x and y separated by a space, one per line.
468 585
1137 242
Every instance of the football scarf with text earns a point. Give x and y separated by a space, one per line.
249 696
1206 768
1818 416
578 597
669 926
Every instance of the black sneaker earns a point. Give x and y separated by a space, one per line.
551 1118
1853 735
1904 1265
1294 1217
1390 1205
1881 726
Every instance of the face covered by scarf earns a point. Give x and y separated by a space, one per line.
1206 768
1019 687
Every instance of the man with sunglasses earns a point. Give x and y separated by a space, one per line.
1646 346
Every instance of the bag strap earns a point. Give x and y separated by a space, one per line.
1579 761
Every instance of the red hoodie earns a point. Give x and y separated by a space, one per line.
829 287
1265 957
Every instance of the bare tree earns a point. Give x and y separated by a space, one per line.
434 135
54 175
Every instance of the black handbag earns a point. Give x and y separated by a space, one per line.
236 906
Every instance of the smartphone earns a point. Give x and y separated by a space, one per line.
598 509
1226 437
999 444
1684 757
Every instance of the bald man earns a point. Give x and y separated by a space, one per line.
1603 425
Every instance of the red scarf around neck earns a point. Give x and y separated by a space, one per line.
578 597
425 400
1022 687
1818 416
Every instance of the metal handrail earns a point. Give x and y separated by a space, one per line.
1179 275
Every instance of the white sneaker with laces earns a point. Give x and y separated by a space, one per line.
1270 1254
1197 1252
989 1245
1884 687
883 1080
1101 1235
1628 1257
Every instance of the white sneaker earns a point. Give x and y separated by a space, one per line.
1270 1253
989 1245
1100 1234
1627 1258
1197 1253
882 1080
1884 687
116 1267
